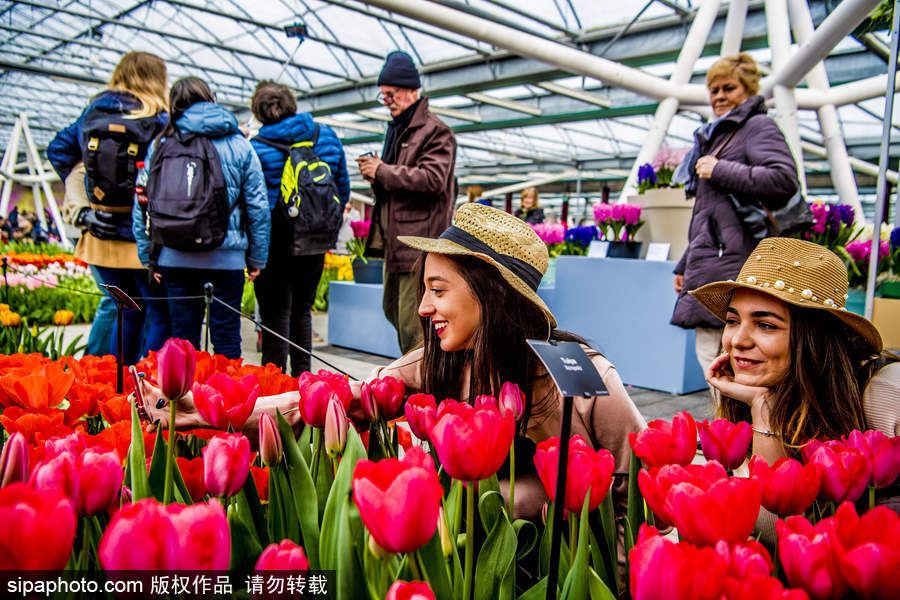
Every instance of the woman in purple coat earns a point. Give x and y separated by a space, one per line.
741 153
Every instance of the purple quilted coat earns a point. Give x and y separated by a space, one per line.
755 164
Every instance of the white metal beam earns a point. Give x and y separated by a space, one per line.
589 97
734 27
534 182
504 103
462 115
331 122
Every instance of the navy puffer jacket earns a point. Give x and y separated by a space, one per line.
755 164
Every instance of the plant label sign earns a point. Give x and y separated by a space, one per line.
572 371
598 249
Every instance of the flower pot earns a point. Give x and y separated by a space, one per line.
856 301
890 289
668 216
371 271
624 250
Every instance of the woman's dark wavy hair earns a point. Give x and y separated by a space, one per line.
499 352
821 396
272 102
185 93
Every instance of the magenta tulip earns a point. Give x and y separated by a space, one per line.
175 363
420 411
99 480
869 550
74 444
664 443
809 557
883 451
409 590
398 500
14 460
512 399
204 538
286 556
316 391
57 473
586 469
845 472
226 463
223 401
788 487
141 536
270 448
38 528
471 442
336 427
382 398
727 510
725 441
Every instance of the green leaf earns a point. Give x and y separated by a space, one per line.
536 592
575 586
157 475
245 548
635 514
304 442
251 510
434 567
490 502
598 590
330 540
305 508
495 559
608 521
526 537
348 569
275 513
137 462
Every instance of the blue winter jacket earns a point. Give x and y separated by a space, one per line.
242 174
299 128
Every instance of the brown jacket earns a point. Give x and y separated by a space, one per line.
415 195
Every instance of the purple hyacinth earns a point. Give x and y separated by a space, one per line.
646 174
582 235
895 239
833 220
848 215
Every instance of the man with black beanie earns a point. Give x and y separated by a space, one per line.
414 189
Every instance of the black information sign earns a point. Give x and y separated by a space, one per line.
571 369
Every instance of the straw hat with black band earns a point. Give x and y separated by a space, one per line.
797 272
499 238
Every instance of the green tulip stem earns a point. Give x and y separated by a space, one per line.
871 497
170 455
412 561
85 543
512 478
317 452
573 535
470 540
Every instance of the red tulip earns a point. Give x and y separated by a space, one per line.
869 550
788 487
420 411
226 462
663 443
398 500
409 590
809 557
175 364
286 556
382 398
38 528
261 481
485 400
759 587
727 510
57 473
883 451
204 538
270 448
14 460
656 483
512 399
725 441
316 390
141 536
336 427
471 442
746 559
192 474
223 401
845 472
586 468
99 480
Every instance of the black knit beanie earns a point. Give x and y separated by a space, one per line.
399 71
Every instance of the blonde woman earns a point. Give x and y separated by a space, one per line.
105 146
530 210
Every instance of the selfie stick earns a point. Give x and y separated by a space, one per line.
123 302
559 501
207 292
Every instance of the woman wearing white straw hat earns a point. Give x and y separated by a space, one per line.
797 365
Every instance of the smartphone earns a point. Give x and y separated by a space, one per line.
366 154
138 393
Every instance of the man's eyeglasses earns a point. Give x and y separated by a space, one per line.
385 97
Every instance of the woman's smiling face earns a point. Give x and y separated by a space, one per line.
449 304
757 338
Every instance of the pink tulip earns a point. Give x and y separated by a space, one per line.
14 460
223 401
226 463
788 486
74 444
663 443
883 451
409 590
382 398
99 480
286 556
336 428
316 390
175 363
398 500
746 559
868 548
759 587
141 536
512 399
204 538
57 473
38 528
845 472
420 411
809 557
270 448
726 510
586 469
725 441
471 442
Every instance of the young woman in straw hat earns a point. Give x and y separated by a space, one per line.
797 365
478 305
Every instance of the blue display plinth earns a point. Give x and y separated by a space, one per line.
356 320
623 307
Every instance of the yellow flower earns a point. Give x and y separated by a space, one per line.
63 317
4 307
10 319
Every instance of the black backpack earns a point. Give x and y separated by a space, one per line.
187 200
309 201
112 145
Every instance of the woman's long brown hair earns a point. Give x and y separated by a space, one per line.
821 396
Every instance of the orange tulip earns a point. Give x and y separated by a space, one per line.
63 317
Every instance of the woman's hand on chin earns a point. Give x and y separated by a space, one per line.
157 409
721 376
